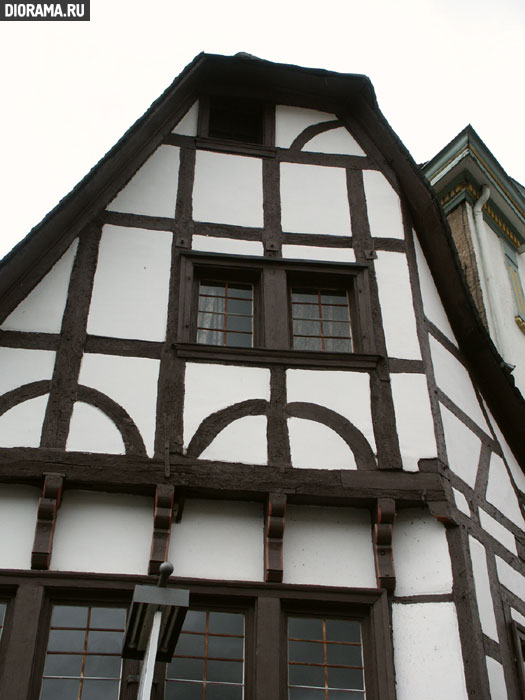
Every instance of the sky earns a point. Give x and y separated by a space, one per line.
69 90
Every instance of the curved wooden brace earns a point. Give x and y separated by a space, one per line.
313 130
214 423
26 392
131 436
354 438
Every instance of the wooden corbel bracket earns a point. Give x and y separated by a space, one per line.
48 505
385 514
162 517
275 519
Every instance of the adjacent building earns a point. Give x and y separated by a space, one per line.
243 343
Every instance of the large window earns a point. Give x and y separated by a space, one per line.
83 656
266 304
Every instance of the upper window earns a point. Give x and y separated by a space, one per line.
269 304
321 320
83 657
236 119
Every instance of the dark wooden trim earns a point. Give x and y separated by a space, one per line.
467 420
150 223
63 389
321 240
424 598
268 649
123 347
31 341
357 163
48 506
235 147
384 516
277 430
353 437
140 475
214 423
272 232
23 393
242 233
397 366
445 342
393 245
313 130
274 534
162 517
21 652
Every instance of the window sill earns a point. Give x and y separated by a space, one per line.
227 146
264 356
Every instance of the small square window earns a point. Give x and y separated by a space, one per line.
225 313
321 319
236 119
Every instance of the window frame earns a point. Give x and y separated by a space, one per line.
518 639
272 280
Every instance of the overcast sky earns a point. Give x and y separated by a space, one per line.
71 89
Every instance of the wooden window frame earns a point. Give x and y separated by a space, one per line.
272 279
265 149
518 639
265 606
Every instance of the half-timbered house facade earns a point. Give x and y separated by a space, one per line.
243 343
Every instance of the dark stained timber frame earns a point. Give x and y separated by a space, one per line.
266 607
272 278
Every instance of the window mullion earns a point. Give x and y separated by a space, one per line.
275 309
268 649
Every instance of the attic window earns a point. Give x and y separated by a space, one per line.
235 119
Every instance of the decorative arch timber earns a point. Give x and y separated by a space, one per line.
216 422
131 436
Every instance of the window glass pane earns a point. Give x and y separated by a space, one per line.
228 307
215 640
307 694
331 308
88 664
320 665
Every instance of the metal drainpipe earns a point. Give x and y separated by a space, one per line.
480 235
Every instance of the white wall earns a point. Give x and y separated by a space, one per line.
18 513
291 121
383 205
90 430
229 246
314 199
397 308
328 547
130 291
228 189
421 556
103 533
427 652
152 191
316 446
20 366
500 492
463 447
244 441
42 309
188 124
309 252
337 140
482 585
21 426
219 540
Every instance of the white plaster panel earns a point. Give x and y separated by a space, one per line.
291 121
316 446
153 189
328 547
20 366
501 493
415 425
103 533
421 555
432 305
461 502
188 124
512 462
334 141
130 291
511 578
517 617
18 513
482 586
314 199
427 652
219 540
500 533
228 189
463 447
397 307
346 393
21 426
244 441
230 246
497 685
91 430
383 206
131 382
309 252
210 388
454 380
42 309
